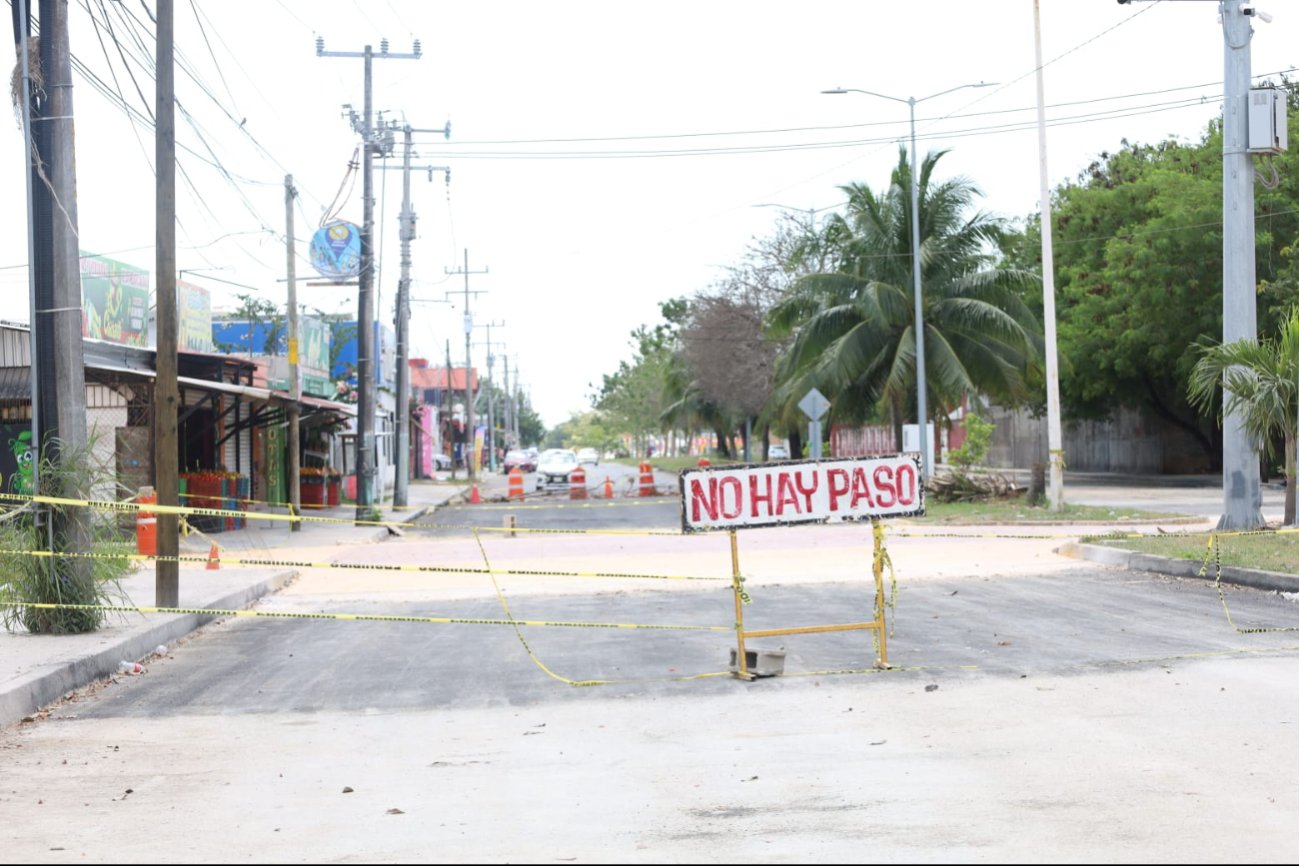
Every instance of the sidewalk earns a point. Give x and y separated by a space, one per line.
39 669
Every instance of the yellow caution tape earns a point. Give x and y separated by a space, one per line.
182 510
374 617
607 503
358 566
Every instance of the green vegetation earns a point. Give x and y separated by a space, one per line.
1261 381
1017 510
72 474
1265 551
829 303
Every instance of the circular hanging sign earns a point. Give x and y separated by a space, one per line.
336 250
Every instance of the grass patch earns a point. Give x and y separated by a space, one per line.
1267 551
1017 510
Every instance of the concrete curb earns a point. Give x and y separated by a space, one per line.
43 687
1270 581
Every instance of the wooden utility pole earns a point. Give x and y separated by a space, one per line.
166 394
365 443
471 469
294 411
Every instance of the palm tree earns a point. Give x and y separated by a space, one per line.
1260 381
853 329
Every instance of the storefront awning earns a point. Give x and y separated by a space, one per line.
225 387
348 409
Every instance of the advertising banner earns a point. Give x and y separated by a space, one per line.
16 456
314 348
336 250
114 301
781 494
194 314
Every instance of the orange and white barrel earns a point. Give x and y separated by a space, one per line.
646 479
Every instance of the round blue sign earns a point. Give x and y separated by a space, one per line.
336 250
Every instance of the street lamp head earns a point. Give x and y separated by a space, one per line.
836 91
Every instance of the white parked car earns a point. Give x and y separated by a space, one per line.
588 455
554 467
777 452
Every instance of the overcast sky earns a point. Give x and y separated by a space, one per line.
605 156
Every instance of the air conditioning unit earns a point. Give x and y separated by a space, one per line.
1267 123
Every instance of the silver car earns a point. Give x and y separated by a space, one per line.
554 467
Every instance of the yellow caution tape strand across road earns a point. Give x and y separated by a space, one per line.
405 526
500 596
372 617
359 566
603 503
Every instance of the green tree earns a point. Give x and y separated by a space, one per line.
1138 265
633 400
254 311
532 430
853 329
1260 381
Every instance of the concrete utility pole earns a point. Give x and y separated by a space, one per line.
166 394
1054 439
365 444
509 408
22 36
471 469
58 396
517 401
406 233
1241 486
293 410
447 413
491 416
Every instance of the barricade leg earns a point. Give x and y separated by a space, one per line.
877 566
742 657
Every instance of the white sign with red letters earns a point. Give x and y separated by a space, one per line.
819 491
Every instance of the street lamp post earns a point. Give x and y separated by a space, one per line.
926 444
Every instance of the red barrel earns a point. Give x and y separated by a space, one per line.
704 461
577 484
146 524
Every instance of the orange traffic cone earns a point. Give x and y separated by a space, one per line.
474 498
608 488
213 558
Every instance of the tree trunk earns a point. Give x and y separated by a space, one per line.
895 416
1288 519
795 442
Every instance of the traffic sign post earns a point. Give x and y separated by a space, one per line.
814 406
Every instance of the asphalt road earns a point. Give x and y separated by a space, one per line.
1039 710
